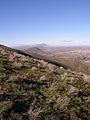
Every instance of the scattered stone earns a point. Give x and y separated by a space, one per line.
34 68
17 64
42 78
73 90
51 67
3 52
44 64
38 65
86 78
11 58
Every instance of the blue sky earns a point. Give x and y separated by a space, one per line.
55 22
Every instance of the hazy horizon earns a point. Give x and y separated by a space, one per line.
60 44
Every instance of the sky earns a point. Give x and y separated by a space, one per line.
54 22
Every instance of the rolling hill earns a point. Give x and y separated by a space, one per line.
75 58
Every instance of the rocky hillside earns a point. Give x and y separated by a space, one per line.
34 89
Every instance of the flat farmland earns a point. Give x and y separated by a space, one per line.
77 58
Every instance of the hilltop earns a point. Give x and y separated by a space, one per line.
34 50
32 88
41 46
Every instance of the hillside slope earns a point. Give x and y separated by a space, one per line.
77 59
34 89
34 50
41 55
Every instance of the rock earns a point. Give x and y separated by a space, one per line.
61 68
11 58
23 58
17 64
73 90
86 78
34 68
51 67
44 64
38 65
42 78
3 52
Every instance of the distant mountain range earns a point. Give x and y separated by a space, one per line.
40 46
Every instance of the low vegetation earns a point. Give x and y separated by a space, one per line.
32 89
